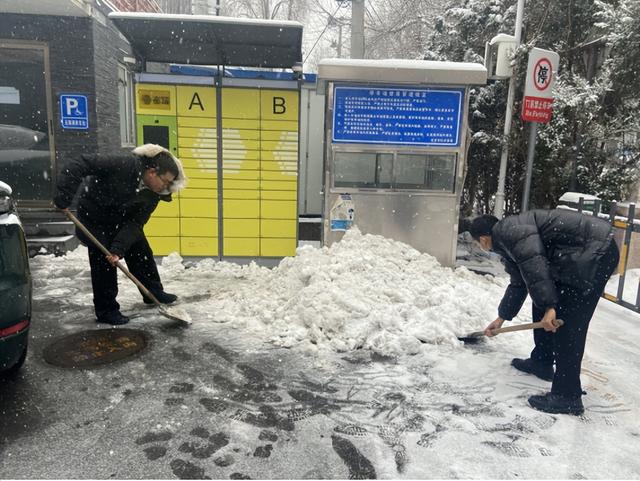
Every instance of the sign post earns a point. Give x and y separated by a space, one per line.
537 103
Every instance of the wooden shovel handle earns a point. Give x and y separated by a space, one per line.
520 327
106 252
524 327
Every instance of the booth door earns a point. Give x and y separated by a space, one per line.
25 142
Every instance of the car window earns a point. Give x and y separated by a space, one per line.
13 255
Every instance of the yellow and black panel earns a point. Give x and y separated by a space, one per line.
241 171
196 101
155 99
278 172
156 124
198 151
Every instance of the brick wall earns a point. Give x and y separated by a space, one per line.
109 50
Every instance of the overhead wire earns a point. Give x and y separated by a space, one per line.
325 29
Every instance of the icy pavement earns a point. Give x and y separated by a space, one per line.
339 363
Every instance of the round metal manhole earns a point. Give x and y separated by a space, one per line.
95 348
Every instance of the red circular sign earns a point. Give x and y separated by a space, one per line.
542 74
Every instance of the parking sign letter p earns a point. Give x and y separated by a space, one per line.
71 105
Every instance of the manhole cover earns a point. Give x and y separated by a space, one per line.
95 348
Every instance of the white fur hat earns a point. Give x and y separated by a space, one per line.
151 150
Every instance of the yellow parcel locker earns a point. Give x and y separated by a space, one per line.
278 209
279 105
155 99
278 247
162 227
279 195
241 228
241 209
199 246
168 209
196 101
199 208
278 156
241 246
240 103
278 228
199 227
163 246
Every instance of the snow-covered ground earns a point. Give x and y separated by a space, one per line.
434 408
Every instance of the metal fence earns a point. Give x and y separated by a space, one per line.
626 225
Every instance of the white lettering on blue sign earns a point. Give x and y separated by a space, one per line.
74 112
398 116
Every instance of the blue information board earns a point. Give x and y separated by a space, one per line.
74 112
388 115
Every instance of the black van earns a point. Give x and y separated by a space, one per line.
15 287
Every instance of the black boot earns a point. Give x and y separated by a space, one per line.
544 372
115 318
557 404
163 297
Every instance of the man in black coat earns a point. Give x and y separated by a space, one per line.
562 259
119 196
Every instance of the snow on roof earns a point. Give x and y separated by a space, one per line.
403 70
204 18
575 197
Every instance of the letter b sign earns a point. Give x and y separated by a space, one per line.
279 105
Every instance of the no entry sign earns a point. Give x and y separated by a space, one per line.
538 96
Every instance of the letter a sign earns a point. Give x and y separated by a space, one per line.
538 92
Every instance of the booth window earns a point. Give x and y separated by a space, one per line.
407 171
125 94
425 171
362 169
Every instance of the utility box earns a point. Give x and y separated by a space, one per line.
497 56
395 149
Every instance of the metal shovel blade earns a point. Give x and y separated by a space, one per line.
175 314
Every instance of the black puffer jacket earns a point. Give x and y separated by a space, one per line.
545 249
112 201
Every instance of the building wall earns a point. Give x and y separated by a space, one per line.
110 48
70 41
83 59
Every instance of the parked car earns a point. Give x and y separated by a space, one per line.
15 286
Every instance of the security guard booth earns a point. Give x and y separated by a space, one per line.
237 138
395 149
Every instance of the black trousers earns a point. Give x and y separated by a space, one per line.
566 346
104 276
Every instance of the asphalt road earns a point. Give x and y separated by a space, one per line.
210 401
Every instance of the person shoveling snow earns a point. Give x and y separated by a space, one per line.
562 259
121 194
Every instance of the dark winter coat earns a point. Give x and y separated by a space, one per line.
543 250
111 200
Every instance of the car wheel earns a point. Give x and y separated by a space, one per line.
15 369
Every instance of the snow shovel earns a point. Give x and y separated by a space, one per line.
475 337
172 313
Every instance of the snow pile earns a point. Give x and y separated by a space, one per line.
365 292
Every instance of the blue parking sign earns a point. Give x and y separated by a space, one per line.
74 112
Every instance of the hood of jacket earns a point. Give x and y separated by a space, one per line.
151 150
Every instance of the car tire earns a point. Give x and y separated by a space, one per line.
14 370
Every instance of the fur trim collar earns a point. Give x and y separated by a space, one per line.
151 150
